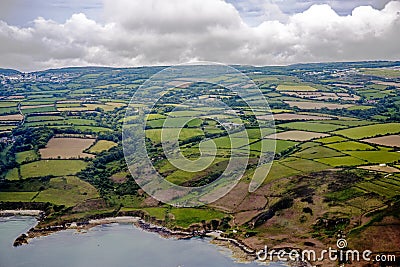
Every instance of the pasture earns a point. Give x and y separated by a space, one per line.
342 161
43 168
370 130
67 191
29 155
350 145
101 145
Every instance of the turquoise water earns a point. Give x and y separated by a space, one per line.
107 245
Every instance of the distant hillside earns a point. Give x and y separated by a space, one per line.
9 71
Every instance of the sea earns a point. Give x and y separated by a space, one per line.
110 245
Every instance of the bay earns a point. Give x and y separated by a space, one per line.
109 246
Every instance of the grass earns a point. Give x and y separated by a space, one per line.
387 73
316 152
29 155
374 188
43 118
345 194
102 145
7 127
38 109
303 88
370 130
7 104
184 217
309 126
350 146
360 107
17 196
157 212
155 134
341 161
155 117
330 139
8 110
380 156
278 171
52 167
305 165
281 145
67 191
12 174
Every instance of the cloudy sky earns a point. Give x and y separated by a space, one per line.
44 34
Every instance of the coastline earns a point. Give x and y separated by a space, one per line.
240 252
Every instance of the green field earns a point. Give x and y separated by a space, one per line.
388 73
304 165
17 196
278 171
316 152
350 145
67 191
376 156
51 168
370 130
30 155
341 161
187 216
43 118
305 88
281 145
101 145
12 174
330 139
155 134
310 126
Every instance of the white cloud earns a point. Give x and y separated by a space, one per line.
146 32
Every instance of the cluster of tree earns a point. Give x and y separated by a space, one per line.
104 166
31 138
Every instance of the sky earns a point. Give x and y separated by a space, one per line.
41 34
